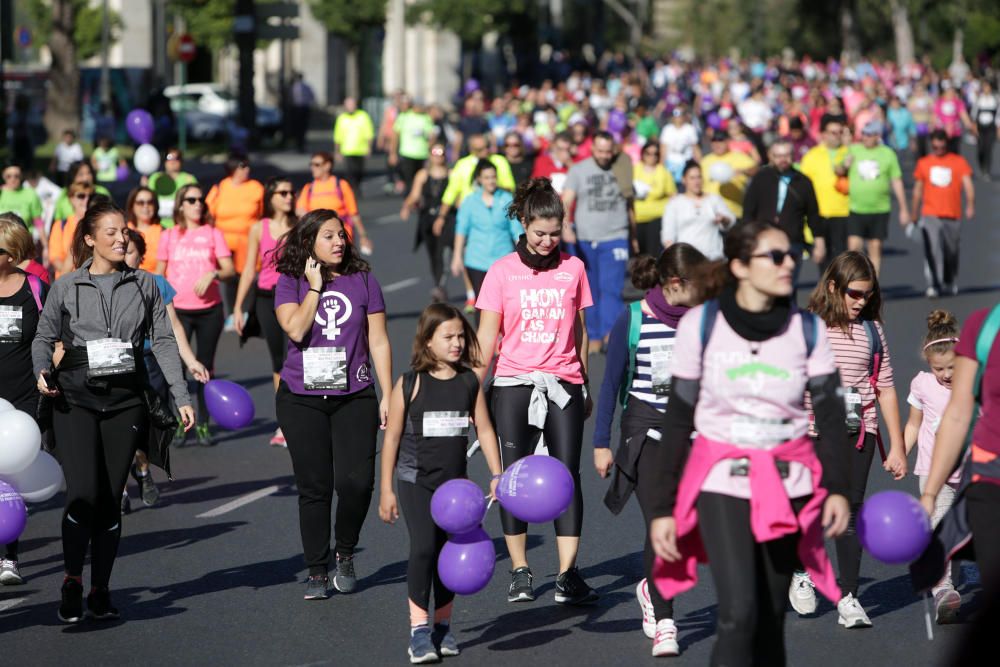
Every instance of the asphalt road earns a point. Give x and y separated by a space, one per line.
213 574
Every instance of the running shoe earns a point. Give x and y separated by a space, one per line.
646 604
572 589
317 588
445 641
9 574
230 324
947 602
99 605
148 491
180 437
278 439
203 436
421 649
126 503
470 306
520 585
931 293
344 580
953 289
665 642
71 609
802 593
852 614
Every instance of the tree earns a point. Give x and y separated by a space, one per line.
87 25
62 104
351 20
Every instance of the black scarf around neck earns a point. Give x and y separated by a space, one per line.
755 327
535 261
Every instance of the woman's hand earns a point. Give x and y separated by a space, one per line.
603 460
238 316
388 509
456 266
438 226
383 412
44 389
663 537
836 514
493 489
314 273
895 463
365 244
204 282
199 372
187 417
404 212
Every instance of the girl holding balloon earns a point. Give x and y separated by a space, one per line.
533 300
331 307
101 312
425 446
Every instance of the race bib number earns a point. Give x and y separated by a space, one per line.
324 368
660 356
868 170
852 404
940 176
985 117
758 431
947 108
445 424
109 356
11 324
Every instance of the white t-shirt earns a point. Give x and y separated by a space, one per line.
690 220
67 155
755 114
679 142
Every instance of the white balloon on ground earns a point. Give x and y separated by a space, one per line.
20 441
146 159
721 172
39 481
5 405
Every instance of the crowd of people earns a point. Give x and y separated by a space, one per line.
656 215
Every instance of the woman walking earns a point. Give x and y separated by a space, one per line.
428 187
141 215
696 217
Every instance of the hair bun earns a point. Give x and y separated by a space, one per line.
941 319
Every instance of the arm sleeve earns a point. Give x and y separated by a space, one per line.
491 293
376 302
48 331
751 198
221 249
675 444
831 422
813 218
614 374
668 229
463 220
454 188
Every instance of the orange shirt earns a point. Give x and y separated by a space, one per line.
61 242
333 193
236 208
152 238
942 179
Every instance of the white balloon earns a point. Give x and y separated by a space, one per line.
20 441
721 172
39 481
6 405
146 159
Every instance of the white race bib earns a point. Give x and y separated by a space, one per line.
660 356
940 176
985 117
324 368
11 324
445 424
109 356
758 431
868 170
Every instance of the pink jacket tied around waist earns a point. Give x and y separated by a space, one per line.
771 514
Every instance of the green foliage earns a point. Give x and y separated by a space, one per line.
349 19
210 22
469 19
87 31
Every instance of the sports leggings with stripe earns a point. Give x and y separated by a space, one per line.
426 540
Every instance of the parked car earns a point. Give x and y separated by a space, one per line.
208 110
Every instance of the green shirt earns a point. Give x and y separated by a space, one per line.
353 133
24 202
414 131
106 162
64 207
166 188
871 174
648 128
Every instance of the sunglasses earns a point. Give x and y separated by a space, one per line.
778 256
172 156
194 200
437 152
243 165
145 202
857 294
514 145
81 197
3 251
284 193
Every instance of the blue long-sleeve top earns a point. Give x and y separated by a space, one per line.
489 233
615 369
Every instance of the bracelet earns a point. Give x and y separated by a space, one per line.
313 289
496 476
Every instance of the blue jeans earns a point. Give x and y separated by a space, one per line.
606 262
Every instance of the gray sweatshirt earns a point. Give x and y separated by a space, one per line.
76 312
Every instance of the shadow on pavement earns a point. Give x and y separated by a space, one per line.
228 491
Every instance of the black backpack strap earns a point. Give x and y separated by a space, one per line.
409 382
808 331
874 346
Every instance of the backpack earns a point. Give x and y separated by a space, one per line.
35 284
634 329
346 218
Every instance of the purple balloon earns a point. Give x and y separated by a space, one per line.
893 527
616 121
714 121
458 506
536 488
13 514
470 87
229 404
466 562
139 124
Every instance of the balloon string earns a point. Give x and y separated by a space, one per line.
488 506
927 617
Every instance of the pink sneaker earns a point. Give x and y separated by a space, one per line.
278 439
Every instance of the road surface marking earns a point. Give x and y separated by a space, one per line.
386 219
10 604
239 502
402 284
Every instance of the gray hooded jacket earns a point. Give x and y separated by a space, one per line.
76 312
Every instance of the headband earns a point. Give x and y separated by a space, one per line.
940 340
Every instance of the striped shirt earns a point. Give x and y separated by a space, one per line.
653 355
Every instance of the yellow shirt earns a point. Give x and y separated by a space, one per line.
353 133
818 165
661 189
731 192
460 182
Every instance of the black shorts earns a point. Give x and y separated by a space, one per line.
868 225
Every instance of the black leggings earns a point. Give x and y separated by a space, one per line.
983 512
984 148
563 436
95 450
27 405
203 329
476 277
848 544
331 440
648 235
648 493
426 540
751 581
277 342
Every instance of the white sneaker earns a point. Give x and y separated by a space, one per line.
646 604
9 575
852 614
931 293
665 642
802 594
947 602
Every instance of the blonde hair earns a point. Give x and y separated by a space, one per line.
15 238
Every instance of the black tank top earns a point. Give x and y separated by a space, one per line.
436 435
430 196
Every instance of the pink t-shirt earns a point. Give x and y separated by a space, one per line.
538 310
268 276
750 400
930 397
190 255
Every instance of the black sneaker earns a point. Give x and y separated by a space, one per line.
71 609
126 503
572 589
344 580
317 587
180 437
147 489
204 436
520 586
99 605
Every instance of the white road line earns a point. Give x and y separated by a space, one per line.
10 604
239 502
402 284
386 219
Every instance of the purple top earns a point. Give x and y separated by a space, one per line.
341 322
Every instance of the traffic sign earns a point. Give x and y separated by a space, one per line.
186 49
23 37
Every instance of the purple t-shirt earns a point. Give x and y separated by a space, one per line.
333 357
